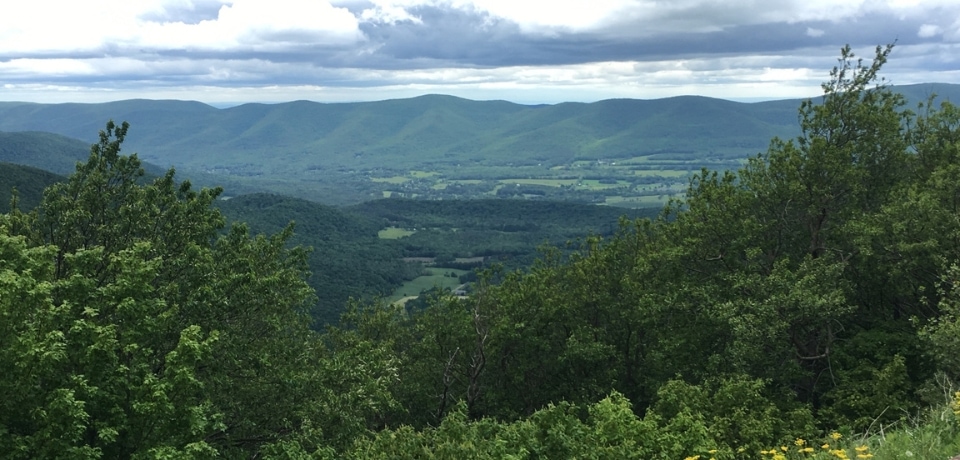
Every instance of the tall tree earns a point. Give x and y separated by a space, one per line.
137 329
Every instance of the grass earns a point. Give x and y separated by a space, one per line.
390 180
435 278
592 184
393 233
659 173
637 201
546 182
934 434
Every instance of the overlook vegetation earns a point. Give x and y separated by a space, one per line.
805 305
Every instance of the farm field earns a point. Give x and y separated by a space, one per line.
438 277
622 184
394 233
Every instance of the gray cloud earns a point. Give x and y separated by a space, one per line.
474 38
436 45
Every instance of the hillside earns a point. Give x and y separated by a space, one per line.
352 258
43 150
408 133
440 146
342 153
59 154
347 258
29 183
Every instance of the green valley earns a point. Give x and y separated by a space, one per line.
440 146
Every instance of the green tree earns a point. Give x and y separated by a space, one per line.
797 274
136 329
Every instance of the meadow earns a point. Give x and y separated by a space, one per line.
434 277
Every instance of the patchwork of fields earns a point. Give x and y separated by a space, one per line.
633 182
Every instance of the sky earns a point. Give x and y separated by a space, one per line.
531 52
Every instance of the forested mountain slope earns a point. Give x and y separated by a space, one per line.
29 183
407 132
43 150
336 153
347 258
60 154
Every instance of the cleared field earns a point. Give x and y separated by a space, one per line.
634 160
423 174
660 173
546 182
671 173
393 233
437 277
390 180
597 185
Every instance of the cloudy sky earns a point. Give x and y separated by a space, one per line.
228 52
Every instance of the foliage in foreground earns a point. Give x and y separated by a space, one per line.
132 327
809 291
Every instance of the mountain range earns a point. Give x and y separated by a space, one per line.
319 151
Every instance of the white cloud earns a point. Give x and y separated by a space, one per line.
573 15
386 12
50 26
255 25
244 50
929 30
95 25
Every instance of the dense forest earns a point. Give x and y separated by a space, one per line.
794 308
349 260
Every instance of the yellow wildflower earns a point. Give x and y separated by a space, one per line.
799 442
839 453
836 436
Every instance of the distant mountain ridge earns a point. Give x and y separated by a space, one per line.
303 144
432 127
